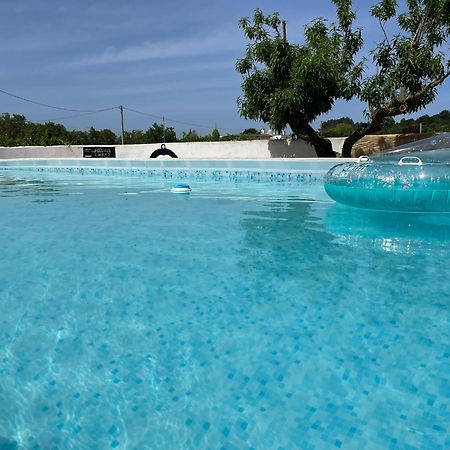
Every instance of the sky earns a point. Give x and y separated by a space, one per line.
172 58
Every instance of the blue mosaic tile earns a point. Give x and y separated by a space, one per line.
241 316
194 174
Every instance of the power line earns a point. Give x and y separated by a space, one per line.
86 112
143 113
168 119
56 107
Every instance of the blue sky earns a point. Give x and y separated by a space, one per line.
169 58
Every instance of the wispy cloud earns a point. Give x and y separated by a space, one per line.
217 42
175 87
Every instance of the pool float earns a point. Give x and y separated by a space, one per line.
413 177
181 188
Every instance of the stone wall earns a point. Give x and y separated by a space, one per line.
377 143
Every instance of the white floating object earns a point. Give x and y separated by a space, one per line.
181 188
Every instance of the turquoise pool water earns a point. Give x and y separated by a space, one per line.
243 315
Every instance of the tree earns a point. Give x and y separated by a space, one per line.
215 135
328 127
287 84
192 136
134 137
341 129
438 123
99 137
156 133
409 66
12 128
49 133
250 131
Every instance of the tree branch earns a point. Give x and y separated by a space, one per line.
384 32
393 108
421 30
400 106
428 88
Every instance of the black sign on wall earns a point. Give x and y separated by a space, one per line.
99 152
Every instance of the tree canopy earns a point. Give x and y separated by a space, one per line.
293 84
288 84
344 126
410 65
16 130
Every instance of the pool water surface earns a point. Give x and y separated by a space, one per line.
242 315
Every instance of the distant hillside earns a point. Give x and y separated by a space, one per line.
344 126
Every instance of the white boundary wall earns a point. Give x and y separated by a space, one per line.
258 149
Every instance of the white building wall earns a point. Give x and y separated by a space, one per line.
337 143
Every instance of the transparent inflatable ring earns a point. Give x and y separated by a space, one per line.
414 177
410 161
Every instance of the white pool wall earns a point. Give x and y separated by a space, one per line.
257 149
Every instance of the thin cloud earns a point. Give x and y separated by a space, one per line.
218 42
176 87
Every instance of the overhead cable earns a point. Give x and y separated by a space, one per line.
93 111
57 107
73 116
168 119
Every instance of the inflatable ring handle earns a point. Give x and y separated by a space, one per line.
163 146
410 161
363 159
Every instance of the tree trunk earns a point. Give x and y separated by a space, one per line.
395 107
350 142
373 126
322 146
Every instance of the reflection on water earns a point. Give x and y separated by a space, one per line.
15 186
285 239
393 232
294 226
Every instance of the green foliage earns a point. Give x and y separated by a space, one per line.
328 127
16 130
411 64
292 84
156 133
192 136
250 131
135 137
385 10
215 135
99 137
237 137
287 84
340 130
438 123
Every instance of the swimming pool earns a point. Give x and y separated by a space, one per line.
250 313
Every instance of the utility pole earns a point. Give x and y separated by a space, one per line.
164 130
121 122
